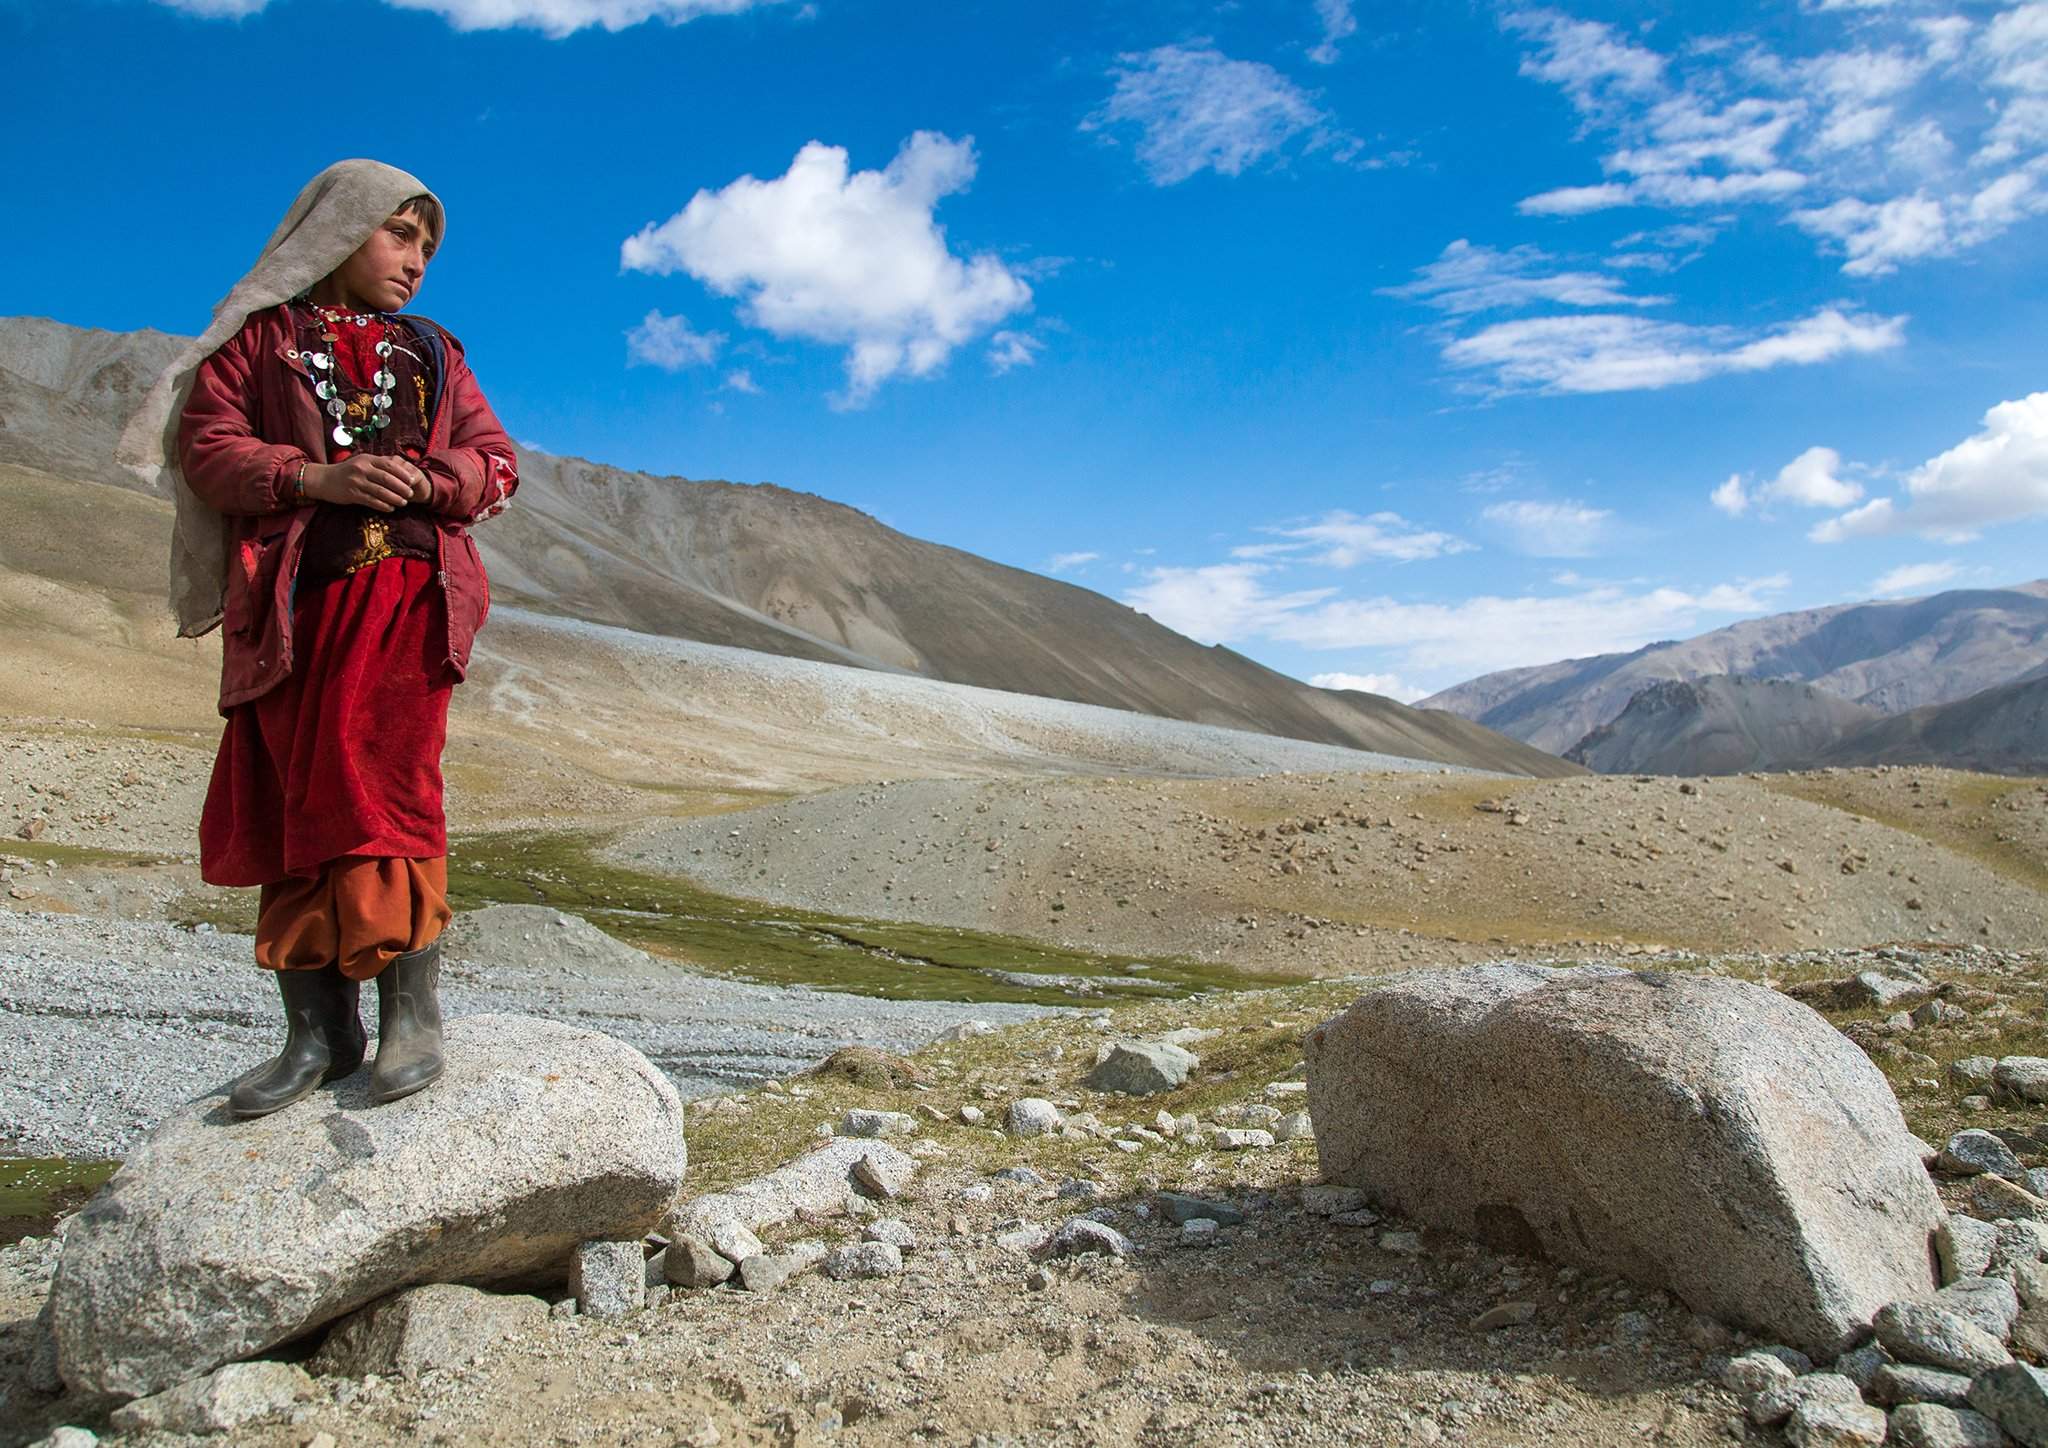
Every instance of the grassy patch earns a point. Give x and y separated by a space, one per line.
1956 811
35 1191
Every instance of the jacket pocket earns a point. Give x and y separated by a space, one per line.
252 577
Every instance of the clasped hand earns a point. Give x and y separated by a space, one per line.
383 483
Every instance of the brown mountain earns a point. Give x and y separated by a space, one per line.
762 567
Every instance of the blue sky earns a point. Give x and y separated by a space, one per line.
1392 342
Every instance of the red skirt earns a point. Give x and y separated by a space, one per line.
344 756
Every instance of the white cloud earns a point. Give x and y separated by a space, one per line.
1007 349
1603 352
741 380
1342 540
1575 200
846 258
670 344
1552 530
1468 278
1915 578
1588 60
1196 109
1998 475
1878 238
1731 497
556 18
1229 602
1812 480
1389 685
1061 562
1339 25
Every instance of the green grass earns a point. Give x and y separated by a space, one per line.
782 946
34 1191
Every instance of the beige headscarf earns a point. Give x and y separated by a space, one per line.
339 210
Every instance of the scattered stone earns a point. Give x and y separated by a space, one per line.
68 1437
538 1137
1911 1383
734 1241
1079 1189
1181 1208
1030 1116
1505 1314
1407 1244
965 1031
1782 1399
690 1261
1753 1372
860 1260
608 1279
1038 1280
1143 1068
765 1272
1198 1232
2029 1337
2015 1397
818 1183
1326 1201
1974 1152
1929 1425
1021 1236
1964 1246
883 1176
1234 1138
1294 1126
228 1398
1990 1303
1084 1235
2030 1280
972 1115
1831 1424
892 1230
1995 1197
1938 1013
440 1325
1920 1330
1252 1113
1508 1102
1018 1176
1791 1357
1363 1217
2022 1078
869 1068
1973 1073
1862 1366
862 1122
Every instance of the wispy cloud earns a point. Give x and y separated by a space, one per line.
555 18
1342 539
848 258
1915 578
1195 109
1339 25
1467 279
1604 352
1062 562
1388 685
1007 349
670 343
1543 529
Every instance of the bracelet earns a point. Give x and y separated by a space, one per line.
299 482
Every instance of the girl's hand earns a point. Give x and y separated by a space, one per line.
382 483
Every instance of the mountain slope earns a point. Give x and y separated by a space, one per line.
1890 656
765 568
2002 730
1721 725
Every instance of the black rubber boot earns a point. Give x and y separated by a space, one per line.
408 1026
324 1041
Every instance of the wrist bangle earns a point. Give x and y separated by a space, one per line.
299 482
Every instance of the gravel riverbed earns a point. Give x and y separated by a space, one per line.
108 1025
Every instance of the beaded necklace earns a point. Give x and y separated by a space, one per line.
328 383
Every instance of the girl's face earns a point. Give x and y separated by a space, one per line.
384 272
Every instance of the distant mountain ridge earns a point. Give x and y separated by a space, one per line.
766 568
1888 656
1725 725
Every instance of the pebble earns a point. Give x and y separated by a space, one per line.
860 1260
1198 1232
1910 1383
1974 1152
764 1272
1019 1176
1084 1236
1963 1246
893 1230
1408 1244
1782 1399
861 1121
1929 1425
690 1261
1294 1126
1836 1425
1753 1372
1179 1207
973 1115
1922 1331
882 1177
1032 1116
1079 1189
1324 1201
1243 1139
608 1279
1505 1314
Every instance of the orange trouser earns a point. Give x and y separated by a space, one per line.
360 911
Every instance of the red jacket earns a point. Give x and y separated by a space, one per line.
252 419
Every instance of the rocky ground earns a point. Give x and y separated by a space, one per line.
1284 1327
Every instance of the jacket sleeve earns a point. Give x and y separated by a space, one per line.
232 469
475 475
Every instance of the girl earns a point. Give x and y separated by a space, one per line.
327 456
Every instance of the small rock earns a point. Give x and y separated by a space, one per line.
893 1230
1018 1176
1181 1208
70 1437
1142 1068
1987 1301
973 1115
438 1326
1325 1201
1082 1235
866 1123
1831 1424
1791 1357
1243 1139
1198 1232
690 1261
1024 1237
1782 1399
1994 1197
1910 1383
1505 1314
1918 1330
1038 1280
225 1398
884 1177
1862 1366
733 1241
1294 1126
1963 1246
2021 1078
1939 1013
1973 1073
861 1260
1031 1116
1974 1152
608 1279
1079 1189
1752 1373
1407 1244
1929 1425
2015 1397
1363 1217
765 1272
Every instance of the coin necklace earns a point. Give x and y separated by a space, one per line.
328 379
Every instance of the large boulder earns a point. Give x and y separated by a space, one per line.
1694 1133
219 1238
